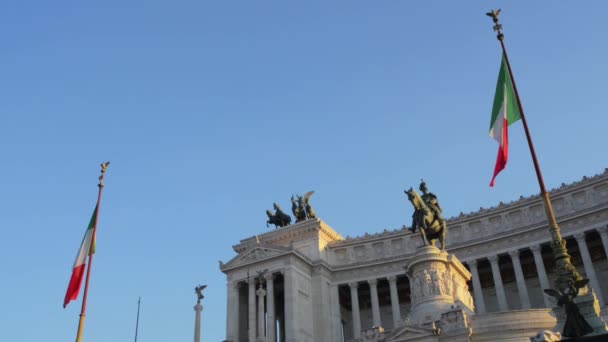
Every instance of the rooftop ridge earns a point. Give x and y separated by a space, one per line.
482 211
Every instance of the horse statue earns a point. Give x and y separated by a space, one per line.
279 219
305 202
432 227
297 208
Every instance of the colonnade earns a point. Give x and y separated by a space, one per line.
376 318
260 319
540 270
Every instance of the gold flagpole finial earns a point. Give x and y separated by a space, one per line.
104 167
497 27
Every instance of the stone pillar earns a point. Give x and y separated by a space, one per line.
392 282
589 269
197 322
373 289
500 290
542 274
354 298
604 235
335 310
290 306
261 322
252 321
232 315
477 290
271 326
521 281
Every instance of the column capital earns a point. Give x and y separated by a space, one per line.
260 292
603 230
354 285
514 254
580 237
535 248
269 276
392 278
373 282
493 258
472 263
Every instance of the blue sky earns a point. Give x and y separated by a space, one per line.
210 111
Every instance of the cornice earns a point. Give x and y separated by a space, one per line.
289 233
484 213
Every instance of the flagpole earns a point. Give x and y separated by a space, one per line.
104 167
137 322
566 271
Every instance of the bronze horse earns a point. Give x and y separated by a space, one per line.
431 227
279 219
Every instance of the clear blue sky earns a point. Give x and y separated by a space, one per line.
211 111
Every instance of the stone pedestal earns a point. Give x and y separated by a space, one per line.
438 283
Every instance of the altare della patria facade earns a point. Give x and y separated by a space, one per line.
475 277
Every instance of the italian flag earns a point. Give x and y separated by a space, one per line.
87 247
504 112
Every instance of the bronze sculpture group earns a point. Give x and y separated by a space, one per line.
575 324
300 207
428 216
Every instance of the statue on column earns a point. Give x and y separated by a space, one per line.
427 216
199 292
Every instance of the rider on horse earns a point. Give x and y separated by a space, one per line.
431 201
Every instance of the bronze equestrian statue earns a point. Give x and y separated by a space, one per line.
427 216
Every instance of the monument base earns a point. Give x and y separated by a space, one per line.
438 283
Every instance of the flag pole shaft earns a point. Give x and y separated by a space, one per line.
565 269
137 322
90 263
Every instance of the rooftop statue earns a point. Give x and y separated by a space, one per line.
310 213
297 208
427 216
279 219
301 208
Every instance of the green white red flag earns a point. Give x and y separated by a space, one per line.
87 247
505 111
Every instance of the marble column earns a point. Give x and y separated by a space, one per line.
232 318
354 298
373 289
252 320
336 322
290 306
520 279
261 321
500 290
392 283
271 325
480 305
589 269
542 274
604 235
197 322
